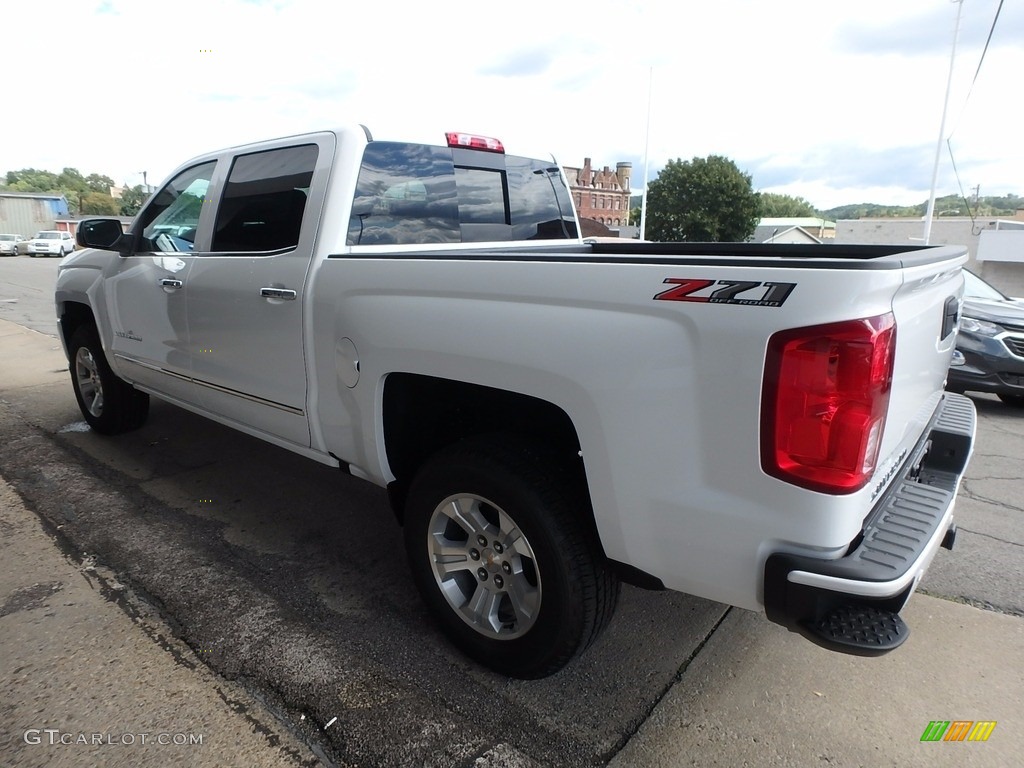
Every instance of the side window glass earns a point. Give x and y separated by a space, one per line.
405 194
170 220
541 206
264 200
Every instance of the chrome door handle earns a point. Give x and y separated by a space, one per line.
278 293
170 282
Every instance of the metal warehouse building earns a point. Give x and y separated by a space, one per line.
27 213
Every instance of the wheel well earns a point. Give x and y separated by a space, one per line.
423 414
74 316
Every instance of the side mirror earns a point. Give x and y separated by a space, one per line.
100 233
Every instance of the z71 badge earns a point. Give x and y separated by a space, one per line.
746 292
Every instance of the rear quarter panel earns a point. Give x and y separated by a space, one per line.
665 395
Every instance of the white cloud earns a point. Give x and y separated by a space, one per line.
835 103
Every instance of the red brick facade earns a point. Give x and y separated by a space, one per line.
601 195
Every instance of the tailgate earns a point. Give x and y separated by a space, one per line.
926 308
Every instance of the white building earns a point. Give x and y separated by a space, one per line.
995 245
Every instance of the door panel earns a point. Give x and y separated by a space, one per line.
146 306
147 292
247 348
246 295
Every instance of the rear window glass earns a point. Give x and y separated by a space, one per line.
410 194
541 209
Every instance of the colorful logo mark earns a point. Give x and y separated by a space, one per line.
958 730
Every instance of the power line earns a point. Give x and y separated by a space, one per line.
949 144
977 71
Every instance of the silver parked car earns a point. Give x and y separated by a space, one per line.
10 245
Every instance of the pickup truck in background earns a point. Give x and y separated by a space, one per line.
763 426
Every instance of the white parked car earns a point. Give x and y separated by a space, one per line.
50 243
10 245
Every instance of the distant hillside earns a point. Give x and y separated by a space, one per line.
950 205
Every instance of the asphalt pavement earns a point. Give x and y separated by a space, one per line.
93 664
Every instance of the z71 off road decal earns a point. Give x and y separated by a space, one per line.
746 292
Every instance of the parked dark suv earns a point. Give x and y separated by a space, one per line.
989 354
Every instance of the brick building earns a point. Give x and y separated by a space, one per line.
603 195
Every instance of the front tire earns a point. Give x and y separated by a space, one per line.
505 557
1017 401
109 404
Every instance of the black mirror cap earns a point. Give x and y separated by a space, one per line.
99 233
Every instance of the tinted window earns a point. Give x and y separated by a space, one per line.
405 194
483 204
541 208
412 193
170 220
264 200
483 196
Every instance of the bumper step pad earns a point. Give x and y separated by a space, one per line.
806 594
861 630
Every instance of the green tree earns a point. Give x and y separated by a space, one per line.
704 199
97 182
85 194
72 179
785 206
99 203
132 199
31 180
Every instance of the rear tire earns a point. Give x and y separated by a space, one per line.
505 557
1017 401
109 404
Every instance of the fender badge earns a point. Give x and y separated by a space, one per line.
757 294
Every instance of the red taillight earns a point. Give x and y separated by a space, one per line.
826 393
470 141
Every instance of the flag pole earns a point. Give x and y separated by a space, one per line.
929 214
647 147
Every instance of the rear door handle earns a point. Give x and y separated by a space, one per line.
170 282
278 293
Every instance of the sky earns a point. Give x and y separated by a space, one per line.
835 102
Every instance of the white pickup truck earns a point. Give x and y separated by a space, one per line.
763 426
